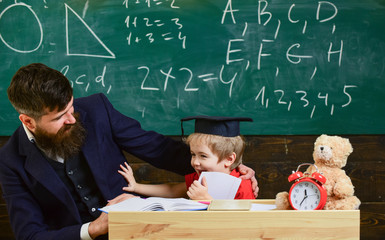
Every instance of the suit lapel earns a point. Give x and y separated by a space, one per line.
41 170
92 155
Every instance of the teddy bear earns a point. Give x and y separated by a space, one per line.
330 155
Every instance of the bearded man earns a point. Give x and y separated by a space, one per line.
62 163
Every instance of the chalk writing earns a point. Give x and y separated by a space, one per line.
304 97
293 55
109 54
68 46
84 82
295 62
150 3
153 30
234 54
156 30
234 47
35 19
191 77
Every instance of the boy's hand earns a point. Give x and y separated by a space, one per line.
248 173
199 191
128 174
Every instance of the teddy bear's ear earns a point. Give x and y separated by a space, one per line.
348 145
319 138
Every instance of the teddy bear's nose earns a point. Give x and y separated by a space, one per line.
322 148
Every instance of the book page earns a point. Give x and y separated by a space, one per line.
155 204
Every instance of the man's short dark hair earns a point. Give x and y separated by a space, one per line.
36 88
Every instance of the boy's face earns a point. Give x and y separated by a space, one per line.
204 160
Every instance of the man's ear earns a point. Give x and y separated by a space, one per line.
230 159
28 121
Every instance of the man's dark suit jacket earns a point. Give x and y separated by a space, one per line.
39 204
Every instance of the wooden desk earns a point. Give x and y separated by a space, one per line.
272 224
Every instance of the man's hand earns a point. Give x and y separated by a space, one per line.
248 173
199 191
100 225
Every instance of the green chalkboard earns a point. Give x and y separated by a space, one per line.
295 67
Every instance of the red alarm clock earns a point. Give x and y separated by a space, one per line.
308 191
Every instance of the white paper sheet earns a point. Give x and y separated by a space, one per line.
221 185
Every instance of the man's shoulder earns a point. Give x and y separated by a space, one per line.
94 98
12 146
94 102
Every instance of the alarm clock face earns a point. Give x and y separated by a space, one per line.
305 195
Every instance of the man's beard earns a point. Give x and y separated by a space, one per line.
66 143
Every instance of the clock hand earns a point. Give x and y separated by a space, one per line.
312 195
304 198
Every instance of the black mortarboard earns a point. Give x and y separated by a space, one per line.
222 126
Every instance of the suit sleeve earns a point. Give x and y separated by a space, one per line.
156 149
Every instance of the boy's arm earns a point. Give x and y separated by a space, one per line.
162 190
154 190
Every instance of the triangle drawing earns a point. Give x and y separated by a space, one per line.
73 43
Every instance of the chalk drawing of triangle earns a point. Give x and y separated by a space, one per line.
106 52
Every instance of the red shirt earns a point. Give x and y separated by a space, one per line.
245 190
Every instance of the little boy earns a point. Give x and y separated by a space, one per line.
216 146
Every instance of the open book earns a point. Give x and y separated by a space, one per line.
155 204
